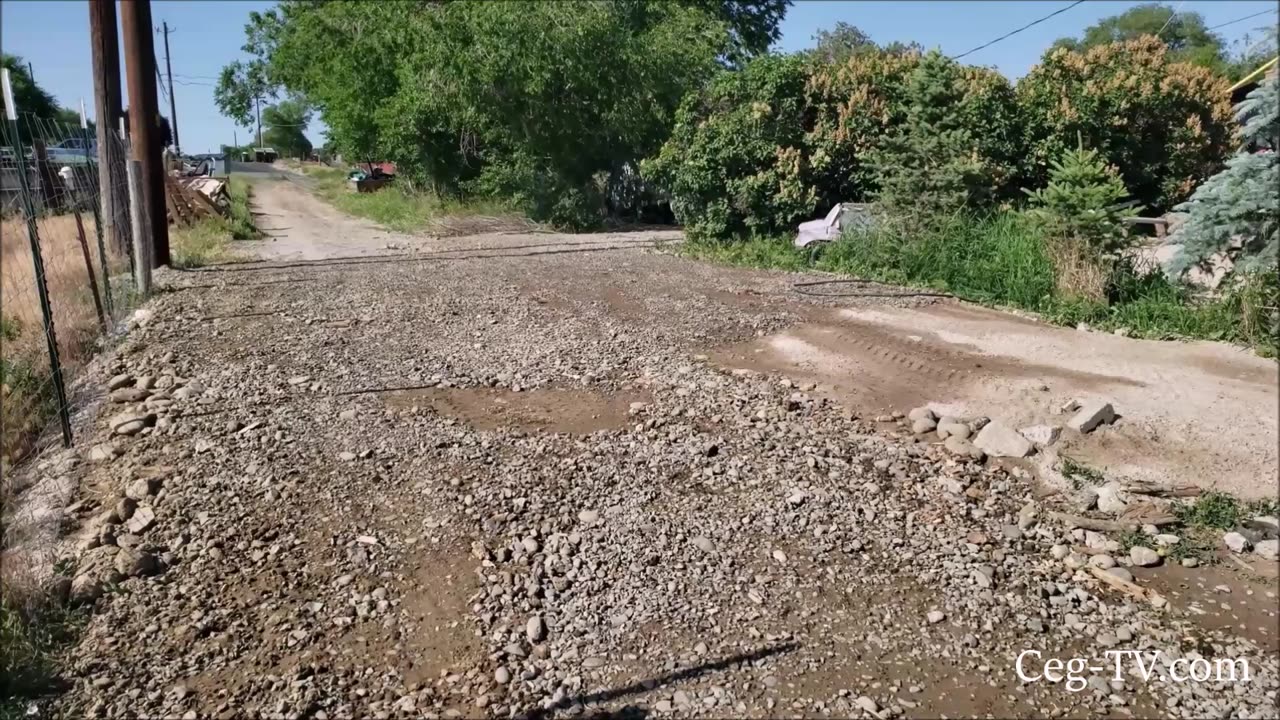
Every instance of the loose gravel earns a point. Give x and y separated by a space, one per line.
356 489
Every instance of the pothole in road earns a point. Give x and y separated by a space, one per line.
576 412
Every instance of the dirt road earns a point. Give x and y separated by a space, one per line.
545 475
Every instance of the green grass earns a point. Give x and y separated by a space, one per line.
240 223
209 240
398 206
205 242
31 639
1001 260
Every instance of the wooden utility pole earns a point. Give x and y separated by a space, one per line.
144 121
106 100
173 104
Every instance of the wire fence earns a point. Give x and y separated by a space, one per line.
65 273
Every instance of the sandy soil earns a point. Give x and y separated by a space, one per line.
1179 402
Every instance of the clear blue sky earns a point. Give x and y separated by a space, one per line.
53 36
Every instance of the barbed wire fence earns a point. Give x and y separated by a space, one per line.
66 283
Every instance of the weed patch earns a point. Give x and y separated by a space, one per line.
399 206
1002 260
1079 474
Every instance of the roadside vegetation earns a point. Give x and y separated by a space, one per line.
211 239
399 206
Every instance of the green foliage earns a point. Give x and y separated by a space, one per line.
27 95
840 43
533 101
1080 474
734 163
1082 202
30 638
995 259
240 223
10 328
1237 211
285 125
1002 259
785 138
1165 126
1213 509
928 167
1183 33
397 207
241 88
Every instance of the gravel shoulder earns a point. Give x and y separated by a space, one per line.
532 475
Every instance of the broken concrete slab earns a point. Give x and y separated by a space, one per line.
999 440
1091 415
1042 436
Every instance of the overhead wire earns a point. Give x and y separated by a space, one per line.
1172 15
1015 32
1241 19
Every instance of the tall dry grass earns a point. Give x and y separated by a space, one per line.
25 390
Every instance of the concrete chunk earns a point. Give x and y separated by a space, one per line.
1091 415
1041 435
999 440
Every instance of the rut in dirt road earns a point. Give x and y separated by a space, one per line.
486 483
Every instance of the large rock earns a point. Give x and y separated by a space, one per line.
1268 549
963 447
1041 436
143 518
999 440
922 413
1237 542
1091 415
129 395
1111 498
130 423
1143 556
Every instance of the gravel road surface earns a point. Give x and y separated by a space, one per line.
521 474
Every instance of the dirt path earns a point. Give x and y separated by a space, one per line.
1193 413
525 475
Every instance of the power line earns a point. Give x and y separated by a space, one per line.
1015 32
1241 19
1172 15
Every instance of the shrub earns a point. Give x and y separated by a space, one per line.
736 163
1237 211
858 103
1082 202
1165 126
929 165
854 103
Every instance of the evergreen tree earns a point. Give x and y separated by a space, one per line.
1082 202
929 167
1237 211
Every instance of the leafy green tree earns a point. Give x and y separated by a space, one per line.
536 102
241 89
286 124
1082 202
735 163
1184 34
33 101
1164 125
1237 211
840 43
928 167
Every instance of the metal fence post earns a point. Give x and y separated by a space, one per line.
28 208
95 201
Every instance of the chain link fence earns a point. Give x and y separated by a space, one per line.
66 277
